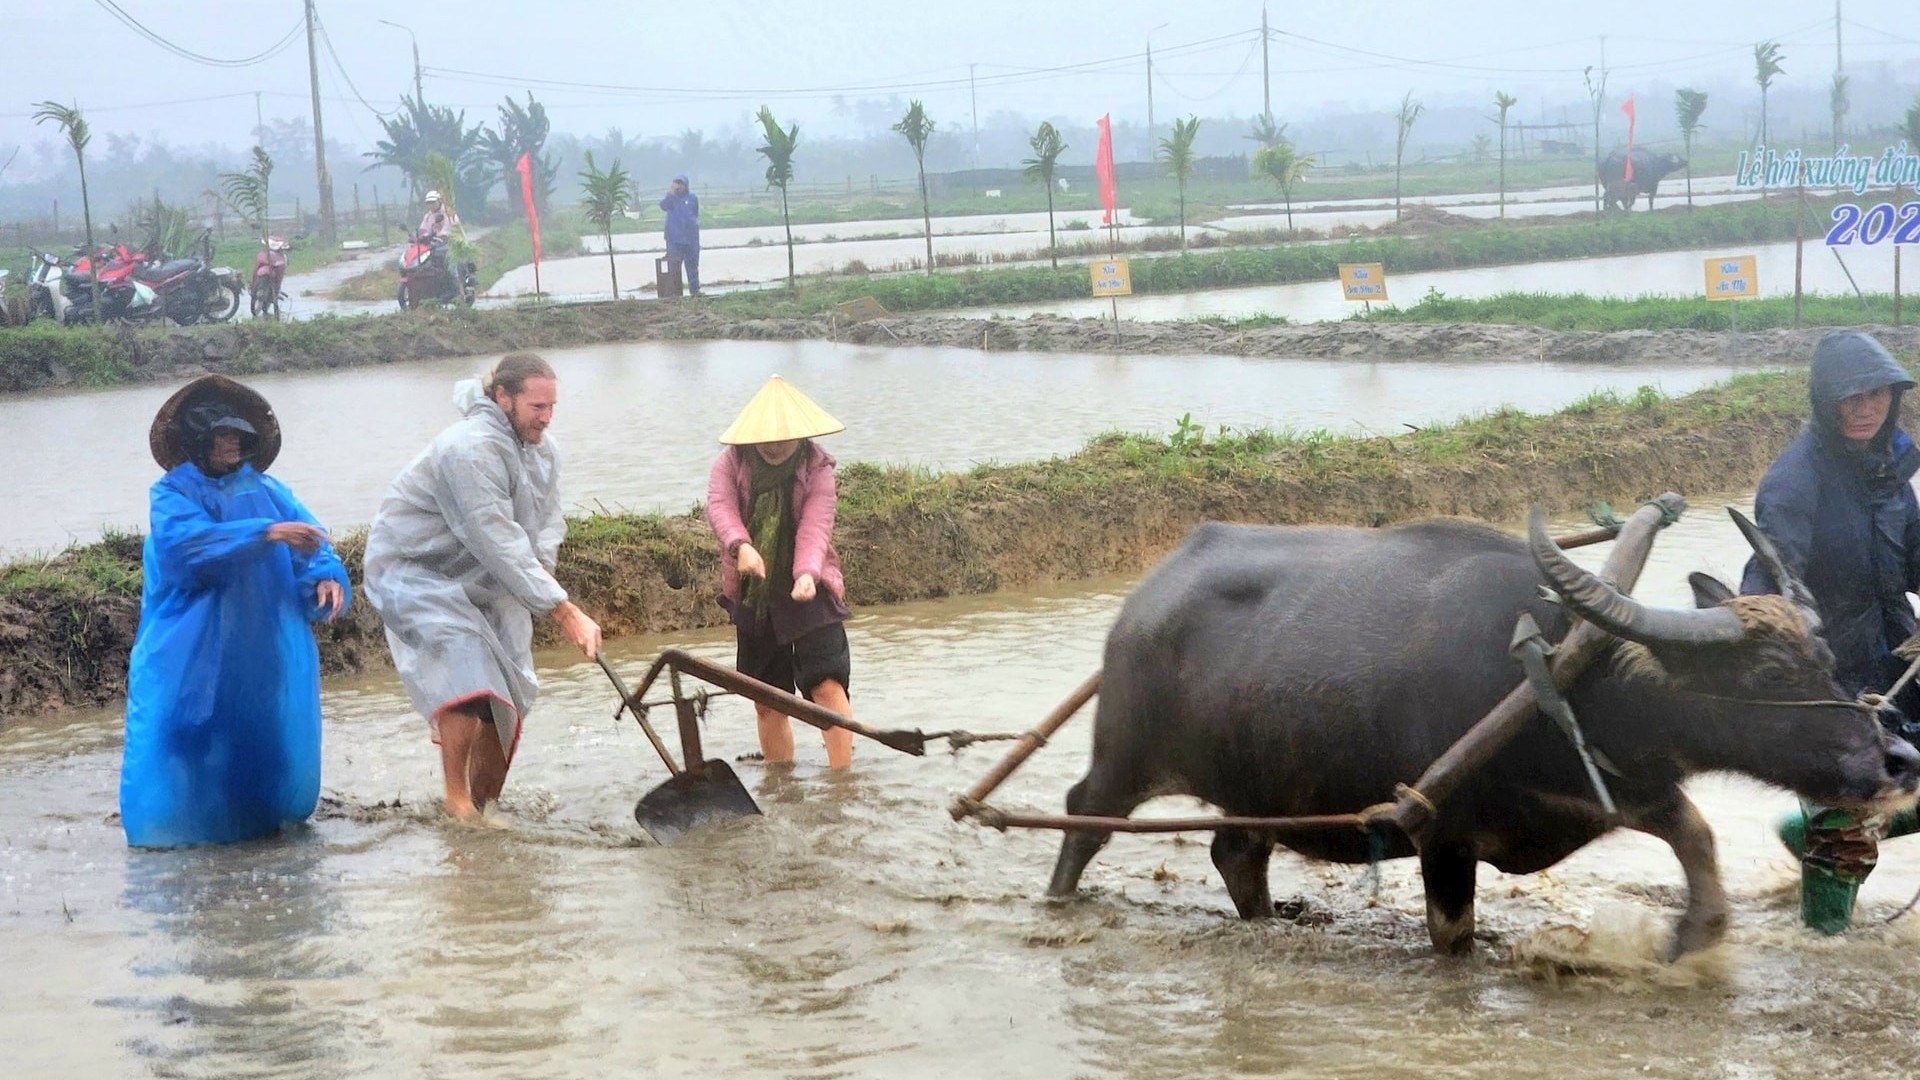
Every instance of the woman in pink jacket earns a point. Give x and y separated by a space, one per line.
770 498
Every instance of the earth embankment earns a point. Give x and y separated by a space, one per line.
44 356
66 624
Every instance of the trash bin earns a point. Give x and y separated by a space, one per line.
666 277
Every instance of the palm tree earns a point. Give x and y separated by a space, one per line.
1839 102
1285 166
778 150
1409 112
1177 151
1687 107
1766 64
1503 101
917 128
69 120
604 194
1265 132
247 191
1047 148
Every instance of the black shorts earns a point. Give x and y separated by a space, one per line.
799 666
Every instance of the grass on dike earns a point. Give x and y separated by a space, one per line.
1561 311
871 492
1493 244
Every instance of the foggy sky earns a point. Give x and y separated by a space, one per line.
813 59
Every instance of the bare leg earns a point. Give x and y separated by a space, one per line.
839 740
459 729
1447 873
1704 922
486 766
776 735
1241 857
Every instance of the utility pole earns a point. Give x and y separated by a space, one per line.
327 234
259 122
1266 70
419 90
974 97
1149 99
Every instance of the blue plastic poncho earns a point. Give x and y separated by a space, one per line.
223 692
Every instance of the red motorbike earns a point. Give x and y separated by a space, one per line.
428 272
269 272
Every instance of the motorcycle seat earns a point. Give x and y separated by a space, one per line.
171 267
79 277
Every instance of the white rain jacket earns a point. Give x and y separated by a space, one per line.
460 559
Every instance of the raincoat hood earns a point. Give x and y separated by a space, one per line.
1846 363
469 400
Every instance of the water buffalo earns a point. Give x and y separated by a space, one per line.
1649 169
1303 671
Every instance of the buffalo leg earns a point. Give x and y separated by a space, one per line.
1447 872
1099 795
1705 921
1241 857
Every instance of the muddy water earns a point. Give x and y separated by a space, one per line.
957 225
856 931
1670 273
638 422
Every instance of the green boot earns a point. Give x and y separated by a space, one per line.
1836 851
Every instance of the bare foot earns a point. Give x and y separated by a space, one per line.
463 811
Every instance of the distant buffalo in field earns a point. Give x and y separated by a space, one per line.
1648 170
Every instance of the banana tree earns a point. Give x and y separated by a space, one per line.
1177 151
247 192
917 127
604 194
778 150
1047 148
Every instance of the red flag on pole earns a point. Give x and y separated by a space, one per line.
525 167
1103 168
1627 107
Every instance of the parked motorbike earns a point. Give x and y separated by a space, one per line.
428 272
269 273
47 290
189 290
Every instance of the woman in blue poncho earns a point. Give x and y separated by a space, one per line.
223 692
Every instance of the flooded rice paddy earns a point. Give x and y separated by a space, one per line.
856 931
638 422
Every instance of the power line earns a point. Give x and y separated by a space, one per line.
327 39
1012 76
185 53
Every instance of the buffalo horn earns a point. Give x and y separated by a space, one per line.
1784 579
1619 614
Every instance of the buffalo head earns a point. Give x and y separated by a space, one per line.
1757 662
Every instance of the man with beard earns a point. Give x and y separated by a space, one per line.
460 560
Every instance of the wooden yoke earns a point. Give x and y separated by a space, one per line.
1414 811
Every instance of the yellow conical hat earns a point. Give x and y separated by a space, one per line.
777 413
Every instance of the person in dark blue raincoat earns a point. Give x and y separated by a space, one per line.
683 229
1839 504
223 690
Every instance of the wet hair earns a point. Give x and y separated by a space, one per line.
513 371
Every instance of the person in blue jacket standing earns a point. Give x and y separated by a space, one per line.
223 690
683 230
1839 504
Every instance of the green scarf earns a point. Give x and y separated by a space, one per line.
768 524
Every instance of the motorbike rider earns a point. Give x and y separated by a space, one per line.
438 224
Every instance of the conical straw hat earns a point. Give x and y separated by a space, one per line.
170 445
778 413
